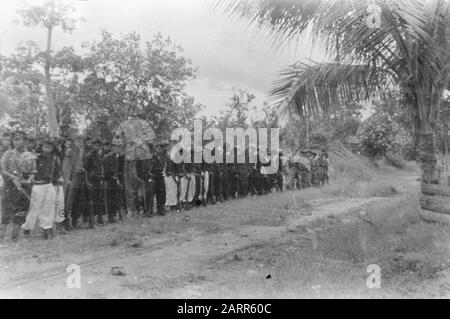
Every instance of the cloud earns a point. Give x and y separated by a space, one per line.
226 53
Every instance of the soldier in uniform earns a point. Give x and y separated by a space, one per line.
144 176
17 175
159 164
278 176
234 179
113 186
44 196
197 175
225 179
208 180
171 181
77 196
314 168
95 178
182 181
323 164
305 170
217 181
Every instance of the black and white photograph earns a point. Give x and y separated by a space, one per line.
236 151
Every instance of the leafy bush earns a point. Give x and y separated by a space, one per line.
376 135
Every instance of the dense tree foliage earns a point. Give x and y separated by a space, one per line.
110 80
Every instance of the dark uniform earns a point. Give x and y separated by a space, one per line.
145 177
197 174
159 163
113 186
225 170
234 180
217 181
243 177
95 177
323 164
315 174
278 176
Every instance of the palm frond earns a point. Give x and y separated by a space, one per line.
321 88
411 47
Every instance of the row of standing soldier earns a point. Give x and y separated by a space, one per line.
307 169
93 176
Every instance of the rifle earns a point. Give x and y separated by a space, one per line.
18 185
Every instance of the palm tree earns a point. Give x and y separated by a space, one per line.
409 49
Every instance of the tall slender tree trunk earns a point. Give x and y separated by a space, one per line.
51 112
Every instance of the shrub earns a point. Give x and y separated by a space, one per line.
376 135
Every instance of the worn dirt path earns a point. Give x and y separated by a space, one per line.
162 264
174 264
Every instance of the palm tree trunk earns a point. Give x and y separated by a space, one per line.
435 197
428 159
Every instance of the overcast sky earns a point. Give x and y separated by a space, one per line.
226 53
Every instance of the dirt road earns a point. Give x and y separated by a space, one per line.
209 252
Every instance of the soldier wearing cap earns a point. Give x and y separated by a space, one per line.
217 179
305 169
208 180
17 185
95 178
159 163
146 180
172 180
225 174
113 186
278 176
199 181
323 166
77 195
314 172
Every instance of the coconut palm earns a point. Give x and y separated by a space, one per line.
408 49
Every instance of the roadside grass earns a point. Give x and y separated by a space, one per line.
358 177
329 257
